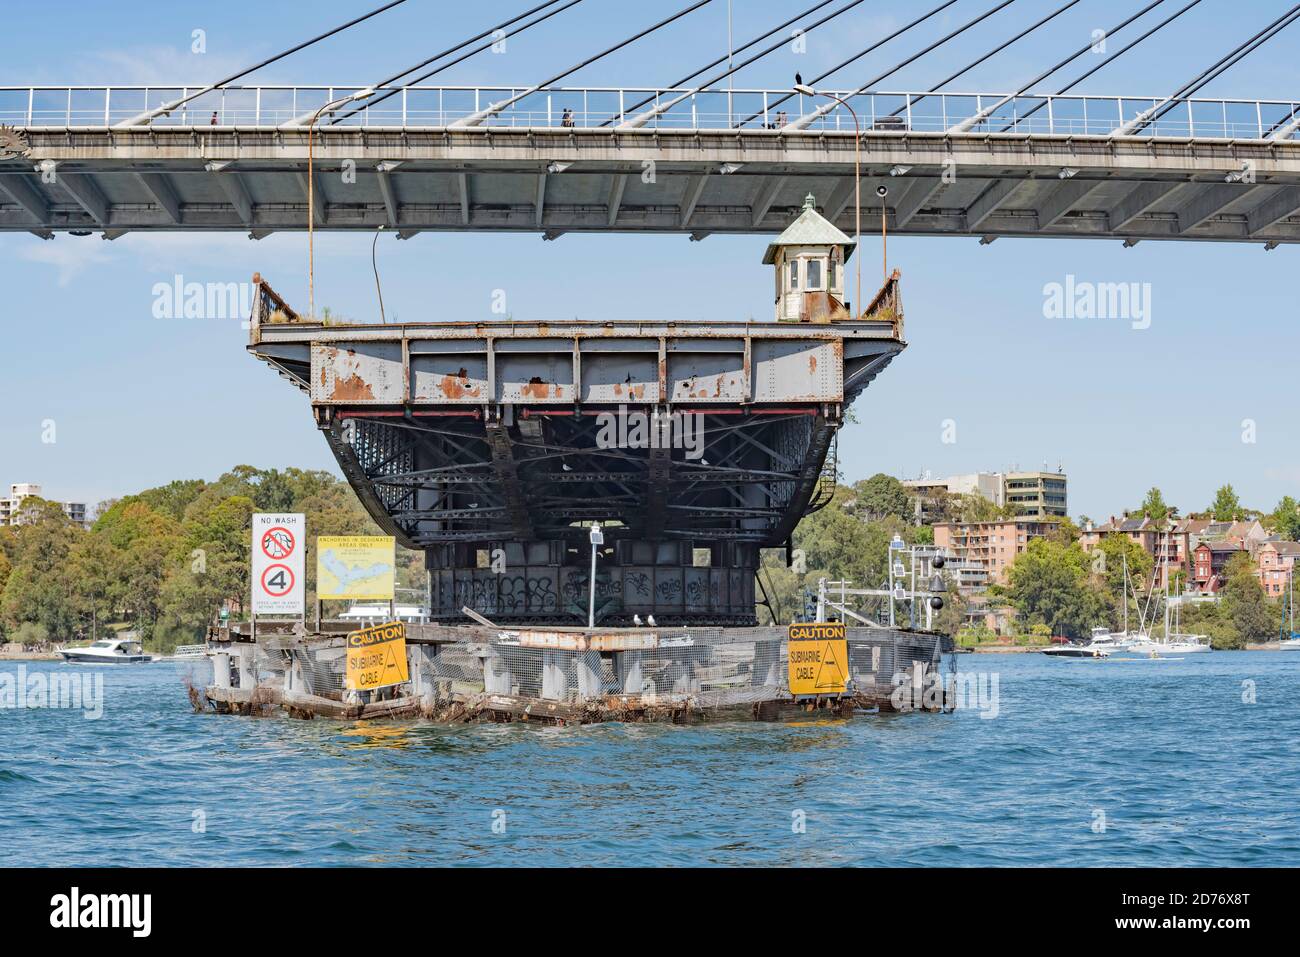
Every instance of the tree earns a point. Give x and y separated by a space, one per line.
1226 506
1285 519
880 497
1155 508
37 588
1245 604
974 507
1048 583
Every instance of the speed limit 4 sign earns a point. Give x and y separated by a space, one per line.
278 545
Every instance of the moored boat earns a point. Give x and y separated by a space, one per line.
108 651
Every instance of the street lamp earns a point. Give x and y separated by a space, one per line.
857 177
311 190
895 572
597 539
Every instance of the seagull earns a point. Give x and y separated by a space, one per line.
650 620
636 620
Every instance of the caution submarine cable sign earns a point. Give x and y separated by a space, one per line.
376 657
819 658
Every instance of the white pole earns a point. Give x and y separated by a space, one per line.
597 538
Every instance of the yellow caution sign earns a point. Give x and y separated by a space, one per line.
377 657
819 658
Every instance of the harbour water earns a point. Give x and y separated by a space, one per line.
1146 763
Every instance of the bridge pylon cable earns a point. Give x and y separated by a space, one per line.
642 118
988 56
804 122
724 58
1113 57
857 56
166 108
477 118
983 114
1233 57
490 31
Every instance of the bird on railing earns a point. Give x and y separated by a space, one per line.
798 80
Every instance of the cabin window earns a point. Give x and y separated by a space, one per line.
794 274
832 275
814 274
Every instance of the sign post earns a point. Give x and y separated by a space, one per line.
278 582
818 660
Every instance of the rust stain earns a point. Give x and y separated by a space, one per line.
456 386
812 363
537 389
352 389
618 389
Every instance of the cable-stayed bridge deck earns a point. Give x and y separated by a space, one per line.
581 160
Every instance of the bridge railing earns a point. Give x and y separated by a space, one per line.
595 107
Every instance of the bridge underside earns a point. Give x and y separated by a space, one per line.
698 182
491 447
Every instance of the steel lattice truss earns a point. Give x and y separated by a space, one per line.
467 479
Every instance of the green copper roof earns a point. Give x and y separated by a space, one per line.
810 229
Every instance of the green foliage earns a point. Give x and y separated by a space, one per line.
879 497
1049 584
1285 519
974 507
1155 508
163 561
1245 605
1226 506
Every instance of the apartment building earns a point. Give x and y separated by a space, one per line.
992 546
1036 494
11 507
1274 565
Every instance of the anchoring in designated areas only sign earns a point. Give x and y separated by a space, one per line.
278 546
376 657
818 658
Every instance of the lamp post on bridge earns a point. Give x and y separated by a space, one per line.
857 178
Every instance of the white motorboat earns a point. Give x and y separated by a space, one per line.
108 651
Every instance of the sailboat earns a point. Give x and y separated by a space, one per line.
1174 643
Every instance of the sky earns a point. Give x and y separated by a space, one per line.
99 398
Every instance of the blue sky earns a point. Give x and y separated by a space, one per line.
137 401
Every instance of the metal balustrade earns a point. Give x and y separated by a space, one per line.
417 107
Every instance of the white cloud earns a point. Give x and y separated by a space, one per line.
69 255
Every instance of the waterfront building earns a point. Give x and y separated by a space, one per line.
1037 494
990 545
928 493
1209 564
1274 561
11 506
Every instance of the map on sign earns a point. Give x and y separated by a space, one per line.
355 567
818 658
376 657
